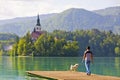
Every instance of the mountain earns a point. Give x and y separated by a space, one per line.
113 14
73 19
69 20
109 11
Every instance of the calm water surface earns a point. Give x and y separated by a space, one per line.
13 68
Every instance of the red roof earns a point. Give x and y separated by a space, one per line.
35 34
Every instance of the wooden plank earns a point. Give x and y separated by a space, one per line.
69 75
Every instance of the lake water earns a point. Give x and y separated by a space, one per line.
13 68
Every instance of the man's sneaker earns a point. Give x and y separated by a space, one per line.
88 74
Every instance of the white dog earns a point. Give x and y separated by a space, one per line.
74 67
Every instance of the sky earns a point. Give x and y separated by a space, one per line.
26 8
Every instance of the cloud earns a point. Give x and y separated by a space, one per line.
19 8
23 8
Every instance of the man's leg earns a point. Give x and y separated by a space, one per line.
87 65
89 72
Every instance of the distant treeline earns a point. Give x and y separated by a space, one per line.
6 39
65 43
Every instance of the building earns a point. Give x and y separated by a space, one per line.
7 47
37 30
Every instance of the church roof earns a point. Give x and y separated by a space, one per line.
36 34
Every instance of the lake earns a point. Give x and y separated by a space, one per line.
13 68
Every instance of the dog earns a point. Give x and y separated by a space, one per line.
74 67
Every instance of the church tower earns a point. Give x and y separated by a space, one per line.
38 25
38 21
37 30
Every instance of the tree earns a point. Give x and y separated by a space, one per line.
21 46
58 47
117 51
71 48
39 45
13 52
62 43
28 45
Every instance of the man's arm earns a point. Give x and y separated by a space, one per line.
84 55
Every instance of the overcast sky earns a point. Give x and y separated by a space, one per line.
23 8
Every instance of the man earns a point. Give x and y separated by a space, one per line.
88 57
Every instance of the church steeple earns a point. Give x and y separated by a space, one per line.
38 21
37 30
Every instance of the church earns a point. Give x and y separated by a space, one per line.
37 30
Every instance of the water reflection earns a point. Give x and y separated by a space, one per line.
13 68
106 66
117 65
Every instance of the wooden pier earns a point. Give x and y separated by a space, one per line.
69 75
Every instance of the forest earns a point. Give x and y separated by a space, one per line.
61 43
